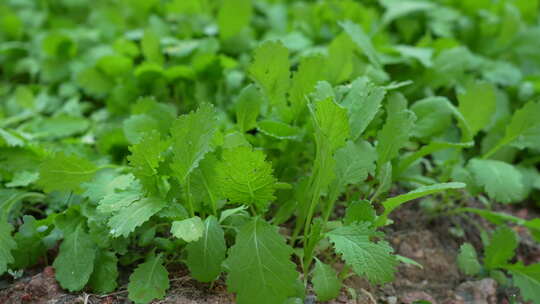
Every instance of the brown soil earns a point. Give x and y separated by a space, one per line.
427 241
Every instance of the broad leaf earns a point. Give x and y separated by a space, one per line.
502 181
259 265
145 158
467 260
75 261
527 279
149 281
192 136
248 107
372 260
325 282
477 104
7 244
205 256
189 230
65 173
103 279
501 248
233 16
134 215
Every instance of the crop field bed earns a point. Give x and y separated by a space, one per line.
270 151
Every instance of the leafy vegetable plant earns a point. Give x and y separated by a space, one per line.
259 141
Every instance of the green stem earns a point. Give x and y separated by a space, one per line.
15 199
188 197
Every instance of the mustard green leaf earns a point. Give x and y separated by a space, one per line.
61 172
325 281
149 281
206 255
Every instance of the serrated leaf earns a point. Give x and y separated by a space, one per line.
270 69
501 248
467 260
137 125
359 211
325 282
23 179
245 177
134 215
192 136
527 279
149 281
362 102
524 128
63 172
103 279
369 259
392 203
278 129
397 129
75 261
477 104
145 158
205 184
205 256
332 125
233 16
248 107
501 181
259 265
189 230
303 83
7 244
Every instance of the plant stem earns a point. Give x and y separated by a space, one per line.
188 197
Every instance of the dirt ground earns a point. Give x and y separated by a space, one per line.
413 235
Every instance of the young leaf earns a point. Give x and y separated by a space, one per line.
150 46
477 104
332 125
501 248
7 244
363 42
527 279
502 181
134 215
468 260
362 102
248 106
372 260
75 261
278 129
233 16
353 163
149 281
270 69
205 256
325 282
395 132
396 201
189 230
204 181
259 265
245 177
523 129
303 83
192 136
103 279
359 211
65 173
145 158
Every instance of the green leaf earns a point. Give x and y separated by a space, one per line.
270 69
325 282
396 201
149 281
369 259
248 106
303 83
23 179
233 16
278 129
150 46
62 172
7 244
137 125
103 279
259 265
397 129
30 246
363 42
205 184
523 130
245 177
189 230
359 211
467 260
332 125
434 117
477 104
192 136
501 181
527 279
134 215
501 248
362 102
354 163
145 158
75 261
205 256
